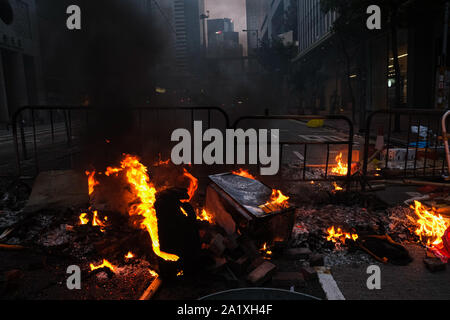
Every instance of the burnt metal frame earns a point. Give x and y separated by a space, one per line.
398 113
68 124
348 142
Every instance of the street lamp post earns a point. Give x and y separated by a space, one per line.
204 17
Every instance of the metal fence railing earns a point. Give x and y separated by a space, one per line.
49 137
317 164
46 137
409 144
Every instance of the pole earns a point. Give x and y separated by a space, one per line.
442 101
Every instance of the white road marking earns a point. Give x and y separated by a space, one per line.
328 284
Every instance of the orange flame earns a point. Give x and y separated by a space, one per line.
92 181
431 226
161 162
184 211
337 187
145 191
96 222
105 264
266 250
338 236
110 171
153 273
84 220
340 168
278 199
244 173
193 186
205 216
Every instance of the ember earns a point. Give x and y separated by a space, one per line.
161 162
105 264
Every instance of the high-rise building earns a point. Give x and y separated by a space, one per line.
274 19
223 41
189 33
313 25
216 29
256 12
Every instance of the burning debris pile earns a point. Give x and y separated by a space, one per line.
317 172
337 230
129 226
125 224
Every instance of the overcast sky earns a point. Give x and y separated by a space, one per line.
233 9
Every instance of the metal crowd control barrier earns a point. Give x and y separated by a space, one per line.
446 137
413 144
414 134
301 120
61 121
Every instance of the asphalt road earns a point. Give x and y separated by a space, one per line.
412 282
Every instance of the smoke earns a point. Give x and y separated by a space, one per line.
111 58
108 64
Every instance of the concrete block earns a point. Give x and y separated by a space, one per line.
262 274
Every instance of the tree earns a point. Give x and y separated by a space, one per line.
350 26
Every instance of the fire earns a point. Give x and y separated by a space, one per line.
205 216
278 199
110 171
193 186
161 162
96 222
431 226
130 255
338 236
184 211
244 173
84 220
153 273
340 168
105 264
337 187
145 191
266 250
92 181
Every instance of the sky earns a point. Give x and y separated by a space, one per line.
233 9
